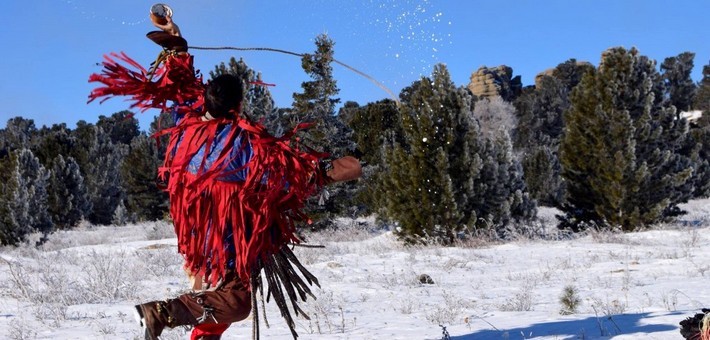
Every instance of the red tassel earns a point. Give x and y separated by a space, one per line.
176 81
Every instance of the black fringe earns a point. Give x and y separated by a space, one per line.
284 282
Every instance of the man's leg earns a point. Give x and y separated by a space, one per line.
227 304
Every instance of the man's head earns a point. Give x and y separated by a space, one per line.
223 94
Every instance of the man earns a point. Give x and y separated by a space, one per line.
235 191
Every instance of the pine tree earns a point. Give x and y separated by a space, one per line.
34 179
570 72
619 153
121 127
17 134
540 114
538 136
660 137
67 201
371 124
418 183
57 140
700 141
316 104
120 215
445 179
680 88
697 149
11 232
85 139
139 171
702 98
542 175
161 122
500 192
102 173
24 197
501 189
540 127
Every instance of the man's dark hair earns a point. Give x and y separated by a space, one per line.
222 94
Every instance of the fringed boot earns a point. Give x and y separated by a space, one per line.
155 316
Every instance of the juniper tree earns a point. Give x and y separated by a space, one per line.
619 152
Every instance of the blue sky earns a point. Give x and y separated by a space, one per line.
50 47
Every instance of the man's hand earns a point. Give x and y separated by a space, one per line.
344 169
169 27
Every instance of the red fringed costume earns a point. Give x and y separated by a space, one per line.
222 224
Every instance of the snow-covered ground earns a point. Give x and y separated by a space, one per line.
83 283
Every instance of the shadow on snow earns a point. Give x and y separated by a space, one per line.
602 326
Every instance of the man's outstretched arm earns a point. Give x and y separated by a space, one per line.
345 169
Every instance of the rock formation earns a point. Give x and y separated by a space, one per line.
496 81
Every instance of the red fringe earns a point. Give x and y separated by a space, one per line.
176 80
262 211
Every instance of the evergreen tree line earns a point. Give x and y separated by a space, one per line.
55 177
606 145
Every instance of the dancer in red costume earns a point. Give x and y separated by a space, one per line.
236 192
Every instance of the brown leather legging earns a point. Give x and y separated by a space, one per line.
228 303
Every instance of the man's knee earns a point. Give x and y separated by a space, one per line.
239 300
